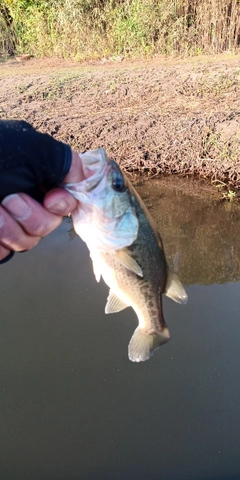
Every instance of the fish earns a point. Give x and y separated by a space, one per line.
126 250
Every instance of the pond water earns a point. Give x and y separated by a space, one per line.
73 407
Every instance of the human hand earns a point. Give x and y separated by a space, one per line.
24 221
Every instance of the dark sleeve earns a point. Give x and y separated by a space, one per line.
30 162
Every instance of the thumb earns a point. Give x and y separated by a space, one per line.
58 200
75 173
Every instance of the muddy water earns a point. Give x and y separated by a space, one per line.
72 406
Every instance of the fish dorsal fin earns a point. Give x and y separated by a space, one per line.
174 288
114 303
127 261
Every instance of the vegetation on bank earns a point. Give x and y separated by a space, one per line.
82 29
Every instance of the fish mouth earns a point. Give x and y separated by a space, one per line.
109 174
97 177
109 168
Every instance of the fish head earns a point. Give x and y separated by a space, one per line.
105 217
117 197
114 216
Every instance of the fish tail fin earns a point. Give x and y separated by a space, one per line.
143 344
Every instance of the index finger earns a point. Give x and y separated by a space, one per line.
33 217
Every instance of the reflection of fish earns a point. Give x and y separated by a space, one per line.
127 251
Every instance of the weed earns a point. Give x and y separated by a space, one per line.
229 195
209 140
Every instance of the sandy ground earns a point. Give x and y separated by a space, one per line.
179 116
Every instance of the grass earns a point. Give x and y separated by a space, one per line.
82 29
57 86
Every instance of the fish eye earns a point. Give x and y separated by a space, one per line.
118 184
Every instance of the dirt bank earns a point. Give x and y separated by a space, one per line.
157 116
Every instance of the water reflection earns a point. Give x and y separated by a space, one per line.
73 407
200 233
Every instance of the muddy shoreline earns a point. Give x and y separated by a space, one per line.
154 117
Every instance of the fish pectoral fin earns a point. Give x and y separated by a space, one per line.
114 303
174 288
127 261
143 344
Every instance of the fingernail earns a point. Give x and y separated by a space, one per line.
15 205
58 206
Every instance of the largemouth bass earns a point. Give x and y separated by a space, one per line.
126 250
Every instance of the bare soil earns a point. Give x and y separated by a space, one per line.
154 117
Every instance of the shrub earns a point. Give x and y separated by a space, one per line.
94 28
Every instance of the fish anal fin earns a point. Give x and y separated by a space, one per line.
127 261
174 288
143 344
114 303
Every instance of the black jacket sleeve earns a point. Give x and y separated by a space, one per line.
30 162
